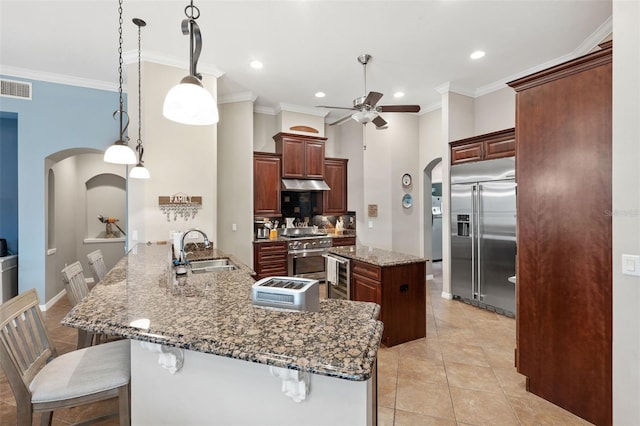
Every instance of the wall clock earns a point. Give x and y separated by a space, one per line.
406 180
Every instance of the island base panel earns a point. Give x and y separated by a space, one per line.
211 389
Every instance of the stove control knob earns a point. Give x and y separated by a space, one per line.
305 246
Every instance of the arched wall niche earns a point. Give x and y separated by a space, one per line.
106 197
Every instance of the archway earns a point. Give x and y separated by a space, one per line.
431 173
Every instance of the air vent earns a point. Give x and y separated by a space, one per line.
15 89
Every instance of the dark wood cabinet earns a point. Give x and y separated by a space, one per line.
270 259
343 241
302 156
564 272
334 201
266 184
484 147
400 290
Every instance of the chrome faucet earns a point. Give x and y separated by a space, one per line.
183 255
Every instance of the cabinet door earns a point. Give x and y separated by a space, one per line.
314 159
293 159
466 153
499 148
335 174
266 185
365 290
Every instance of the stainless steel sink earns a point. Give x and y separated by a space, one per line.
212 265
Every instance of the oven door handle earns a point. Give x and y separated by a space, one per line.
306 252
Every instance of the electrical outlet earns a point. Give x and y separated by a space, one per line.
370 224
631 265
234 227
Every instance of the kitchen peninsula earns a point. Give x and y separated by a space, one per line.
226 361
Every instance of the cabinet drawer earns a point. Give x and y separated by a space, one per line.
272 257
367 270
343 241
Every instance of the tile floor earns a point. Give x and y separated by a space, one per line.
461 374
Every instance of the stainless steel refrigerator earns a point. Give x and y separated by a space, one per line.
483 234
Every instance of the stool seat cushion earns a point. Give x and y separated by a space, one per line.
83 372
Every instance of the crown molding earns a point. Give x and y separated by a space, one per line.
237 97
596 37
455 88
259 109
58 78
131 56
301 110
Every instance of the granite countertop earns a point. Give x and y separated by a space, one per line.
375 256
141 299
327 233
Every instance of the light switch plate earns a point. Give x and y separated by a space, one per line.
631 265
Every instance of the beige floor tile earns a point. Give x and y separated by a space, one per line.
482 408
532 410
387 384
425 348
512 382
431 399
385 416
472 377
407 418
464 353
422 368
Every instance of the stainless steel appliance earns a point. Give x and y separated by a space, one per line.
304 253
483 233
338 277
300 294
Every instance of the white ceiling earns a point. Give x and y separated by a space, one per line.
307 46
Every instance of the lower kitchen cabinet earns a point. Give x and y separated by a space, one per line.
400 290
270 259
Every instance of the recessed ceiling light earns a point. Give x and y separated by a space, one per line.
320 95
255 64
477 54
398 95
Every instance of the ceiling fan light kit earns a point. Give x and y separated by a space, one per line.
367 110
189 102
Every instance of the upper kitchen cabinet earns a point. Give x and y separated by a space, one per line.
266 184
484 147
302 156
564 238
334 201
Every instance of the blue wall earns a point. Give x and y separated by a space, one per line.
59 117
9 180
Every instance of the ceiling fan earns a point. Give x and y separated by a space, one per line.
368 110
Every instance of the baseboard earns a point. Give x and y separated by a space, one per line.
447 295
53 300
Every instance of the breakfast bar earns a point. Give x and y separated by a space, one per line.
201 353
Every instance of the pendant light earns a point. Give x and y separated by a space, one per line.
139 171
119 152
189 102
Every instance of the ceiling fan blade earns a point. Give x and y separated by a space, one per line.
341 120
379 122
334 107
399 108
372 98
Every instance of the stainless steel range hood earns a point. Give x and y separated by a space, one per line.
304 185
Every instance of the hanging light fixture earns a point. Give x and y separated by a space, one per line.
119 152
189 102
139 171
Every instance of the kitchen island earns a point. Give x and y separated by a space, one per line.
393 280
201 353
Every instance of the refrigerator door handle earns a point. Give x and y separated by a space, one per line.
479 246
472 225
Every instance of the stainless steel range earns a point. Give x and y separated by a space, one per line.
304 253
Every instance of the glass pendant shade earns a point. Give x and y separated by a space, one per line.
364 116
120 153
139 172
190 103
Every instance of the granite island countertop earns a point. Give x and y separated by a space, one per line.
141 299
375 256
